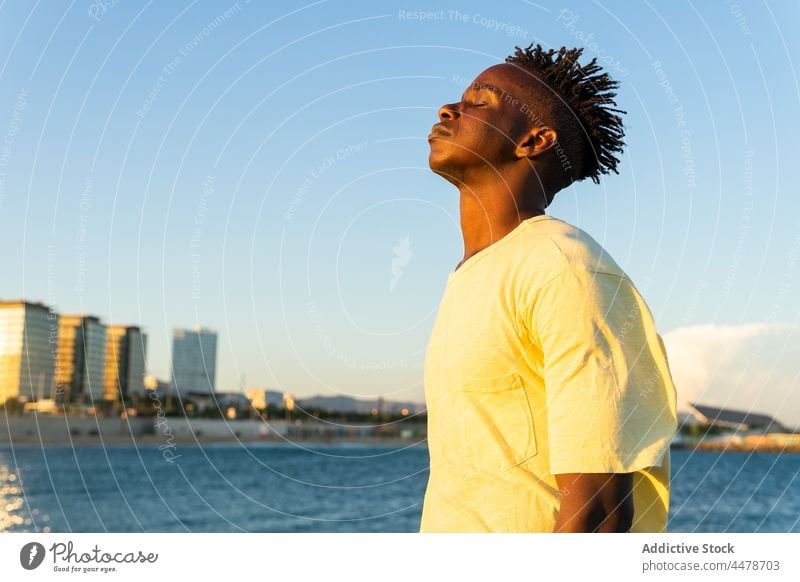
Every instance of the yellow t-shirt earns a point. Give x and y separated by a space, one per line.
544 359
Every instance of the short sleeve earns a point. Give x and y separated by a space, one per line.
611 405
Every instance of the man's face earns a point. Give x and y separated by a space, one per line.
482 129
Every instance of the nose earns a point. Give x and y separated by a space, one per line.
448 112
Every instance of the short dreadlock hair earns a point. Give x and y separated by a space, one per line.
589 130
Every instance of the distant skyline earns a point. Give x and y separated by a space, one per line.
261 170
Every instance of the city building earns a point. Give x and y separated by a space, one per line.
80 359
737 420
194 361
152 384
126 352
260 398
27 351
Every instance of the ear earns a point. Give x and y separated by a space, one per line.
537 141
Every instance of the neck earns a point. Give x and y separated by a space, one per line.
491 210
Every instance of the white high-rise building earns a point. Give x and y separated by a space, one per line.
194 361
27 353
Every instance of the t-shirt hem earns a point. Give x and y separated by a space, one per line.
652 456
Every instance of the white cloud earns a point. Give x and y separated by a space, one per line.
753 366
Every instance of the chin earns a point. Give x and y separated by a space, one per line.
445 167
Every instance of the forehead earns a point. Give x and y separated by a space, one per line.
505 78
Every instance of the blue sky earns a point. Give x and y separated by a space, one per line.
262 169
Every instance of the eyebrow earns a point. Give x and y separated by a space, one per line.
484 87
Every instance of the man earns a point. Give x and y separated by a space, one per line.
550 401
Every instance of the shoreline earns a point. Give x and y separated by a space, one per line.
738 448
148 441
45 430
160 441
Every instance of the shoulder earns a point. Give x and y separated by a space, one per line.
555 248
564 275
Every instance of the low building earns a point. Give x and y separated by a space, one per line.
735 420
161 388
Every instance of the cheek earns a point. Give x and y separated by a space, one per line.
483 132
491 140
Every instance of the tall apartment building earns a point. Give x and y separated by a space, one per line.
194 361
126 353
80 359
27 350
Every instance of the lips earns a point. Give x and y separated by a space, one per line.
438 131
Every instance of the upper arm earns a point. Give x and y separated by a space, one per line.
608 392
